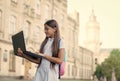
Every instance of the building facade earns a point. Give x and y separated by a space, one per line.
29 16
92 41
86 63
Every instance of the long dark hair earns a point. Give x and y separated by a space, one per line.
53 24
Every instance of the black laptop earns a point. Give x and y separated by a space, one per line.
19 42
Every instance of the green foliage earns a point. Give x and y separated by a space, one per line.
98 71
113 61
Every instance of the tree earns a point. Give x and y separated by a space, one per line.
105 69
98 72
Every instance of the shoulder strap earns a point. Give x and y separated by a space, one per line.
59 43
64 56
63 59
59 64
64 51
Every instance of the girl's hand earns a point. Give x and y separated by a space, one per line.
20 52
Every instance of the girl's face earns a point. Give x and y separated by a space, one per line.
49 31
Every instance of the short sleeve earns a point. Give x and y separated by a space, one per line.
61 44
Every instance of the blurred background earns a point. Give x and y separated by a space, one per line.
85 25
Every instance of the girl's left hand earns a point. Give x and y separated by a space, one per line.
20 52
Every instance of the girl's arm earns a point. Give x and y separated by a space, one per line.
37 61
58 59
20 53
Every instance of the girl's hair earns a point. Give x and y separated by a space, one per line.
53 24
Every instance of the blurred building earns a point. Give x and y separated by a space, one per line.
92 41
104 54
29 16
86 63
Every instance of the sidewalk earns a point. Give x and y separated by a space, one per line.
11 79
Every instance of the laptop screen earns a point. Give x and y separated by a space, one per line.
18 42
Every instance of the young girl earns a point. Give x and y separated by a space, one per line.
52 50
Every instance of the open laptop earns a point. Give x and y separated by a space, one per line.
19 42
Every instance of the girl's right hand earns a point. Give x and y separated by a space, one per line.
20 52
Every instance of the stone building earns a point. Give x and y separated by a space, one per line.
92 41
86 62
29 16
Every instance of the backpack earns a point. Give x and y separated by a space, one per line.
62 65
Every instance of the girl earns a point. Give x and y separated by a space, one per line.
52 50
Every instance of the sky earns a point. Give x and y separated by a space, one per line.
108 16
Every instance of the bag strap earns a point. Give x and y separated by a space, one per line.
59 64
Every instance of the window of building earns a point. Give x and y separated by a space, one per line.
23 61
0 21
46 12
26 30
0 57
5 56
28 1
73 56
80 73
62 22
73 70
71 33
15 1
68 54
12 25
73 37
26 8
11 61
1 27
54 13
37 6
68 70
36 34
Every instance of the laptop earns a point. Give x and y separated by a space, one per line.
19 42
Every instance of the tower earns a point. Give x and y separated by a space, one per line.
92 41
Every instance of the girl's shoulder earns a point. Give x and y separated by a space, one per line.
61 43
60 39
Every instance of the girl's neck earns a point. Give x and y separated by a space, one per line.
51 37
